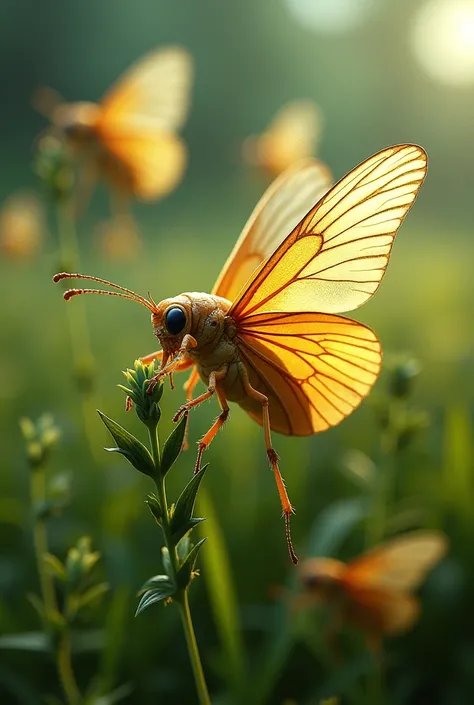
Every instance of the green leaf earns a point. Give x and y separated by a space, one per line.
129 446
27 641
92 594
37 604
182 520
219 581
165 559
157 582
55 567
173 445
184 575
334 524
154 506
156 595
47 508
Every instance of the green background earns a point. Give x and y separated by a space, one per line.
250 58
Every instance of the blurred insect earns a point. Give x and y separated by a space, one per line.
374 592
292 135
118 238
268 337
22 225
129 139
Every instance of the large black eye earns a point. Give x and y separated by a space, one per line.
175 320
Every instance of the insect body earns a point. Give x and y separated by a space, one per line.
269 337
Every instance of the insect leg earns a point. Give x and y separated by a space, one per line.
177 363
272 456
213 378
188 386
207 439
146 359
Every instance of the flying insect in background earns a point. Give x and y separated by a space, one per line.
374 592
269 337
129 139
292 135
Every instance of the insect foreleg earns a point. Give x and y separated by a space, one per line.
146 359
177 363
272 456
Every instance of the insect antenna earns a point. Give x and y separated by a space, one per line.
122 292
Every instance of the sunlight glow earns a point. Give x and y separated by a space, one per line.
328 15
443 40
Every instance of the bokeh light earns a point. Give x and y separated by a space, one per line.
328 15
443 40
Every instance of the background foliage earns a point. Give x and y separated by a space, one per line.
250 57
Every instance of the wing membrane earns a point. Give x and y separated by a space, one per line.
148 163
280 209
400 564
153 93
315 368
335 258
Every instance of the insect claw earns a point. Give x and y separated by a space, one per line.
182 410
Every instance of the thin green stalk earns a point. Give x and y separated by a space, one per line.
383 488
182 598
65 670
81 348
48 593
40 539
193 649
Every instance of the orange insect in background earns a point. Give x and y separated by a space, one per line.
129 139
374 591
269 337
291 136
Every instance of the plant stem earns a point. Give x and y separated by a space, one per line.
66 673
40 539
386 476
81 349
182 597
48 593
193 649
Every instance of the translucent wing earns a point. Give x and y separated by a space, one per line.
399 565
147 163
335 258
381 612
153 93
279 210
314 368
292 135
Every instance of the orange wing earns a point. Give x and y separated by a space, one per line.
137 121
149 164
381 612
379 583
314 368
400 564
154 92
279 210
292 135
335 258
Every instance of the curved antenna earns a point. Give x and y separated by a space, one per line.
127 293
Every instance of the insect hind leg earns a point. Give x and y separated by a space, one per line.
272 457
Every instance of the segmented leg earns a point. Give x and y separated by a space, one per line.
146 359
180 362
188 387
214 377
272 456
207 439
